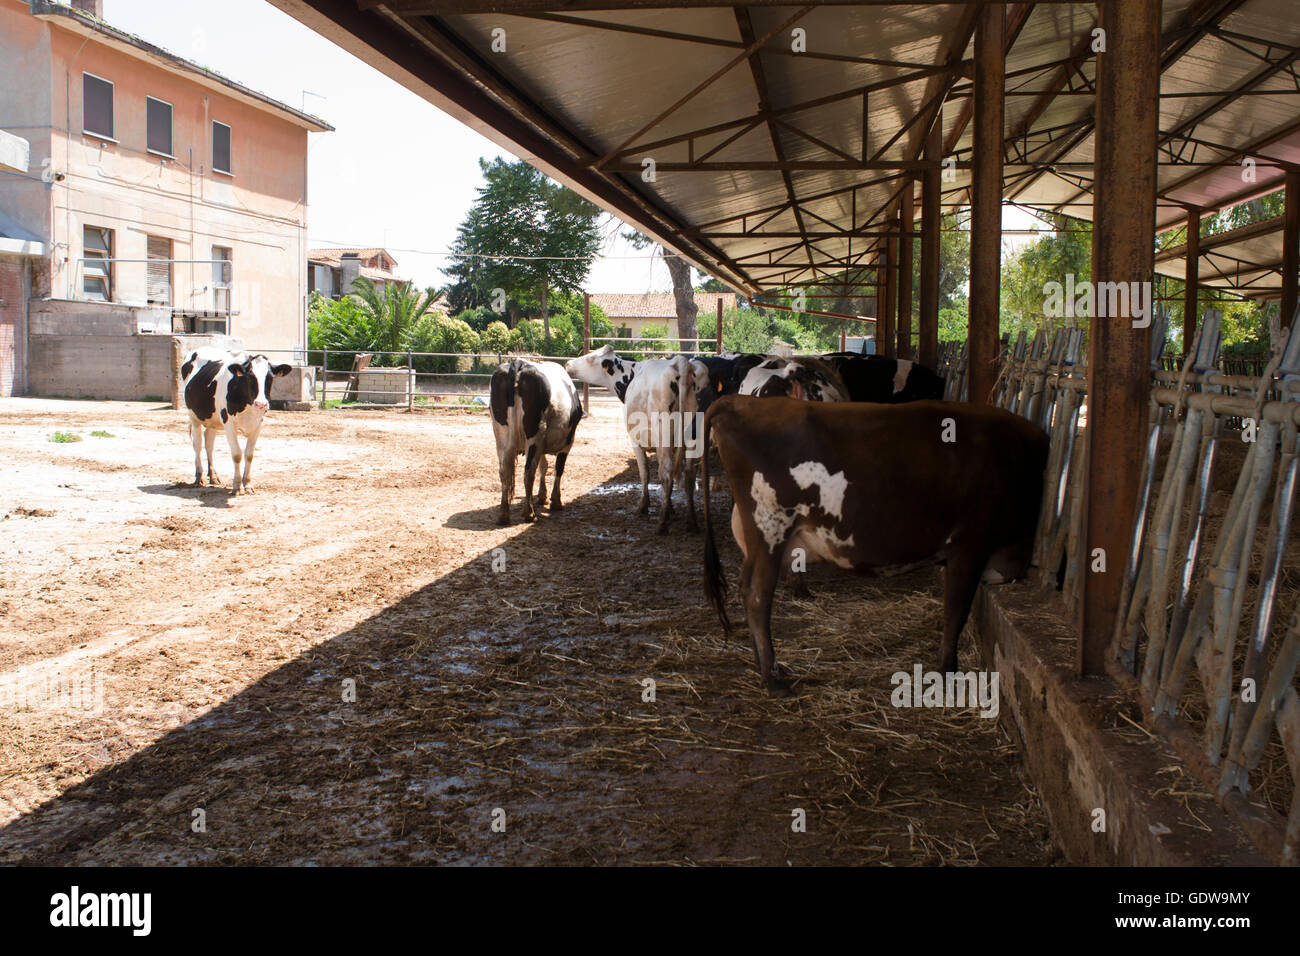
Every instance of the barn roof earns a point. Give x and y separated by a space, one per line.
774 166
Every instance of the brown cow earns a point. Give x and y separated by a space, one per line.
867 486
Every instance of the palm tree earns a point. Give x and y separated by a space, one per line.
394 310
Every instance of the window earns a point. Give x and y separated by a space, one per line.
221 276
158 120
96 106
221 147
97 266
158 271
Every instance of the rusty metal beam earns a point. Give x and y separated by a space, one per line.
986 204
1192 278
928 319
906 225
1119 371
886 311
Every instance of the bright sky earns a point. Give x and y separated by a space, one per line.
397 172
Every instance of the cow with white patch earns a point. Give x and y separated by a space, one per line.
877 378
865 486
802 377
227 392
661 399
535 413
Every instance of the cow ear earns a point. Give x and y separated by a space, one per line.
282 369
236 370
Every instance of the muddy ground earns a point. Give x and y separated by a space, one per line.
174 665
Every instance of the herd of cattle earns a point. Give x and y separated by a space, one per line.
848 459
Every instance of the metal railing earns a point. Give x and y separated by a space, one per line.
1197 636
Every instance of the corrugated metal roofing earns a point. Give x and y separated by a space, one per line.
761 172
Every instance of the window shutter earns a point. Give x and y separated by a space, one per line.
96 105
159 122
158 274
220 147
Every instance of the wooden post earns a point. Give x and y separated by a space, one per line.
586 347
931 197
906 223
718 348
1290 247
1119 372
888 306
177 358
1192 278
844 343
324 377
986 205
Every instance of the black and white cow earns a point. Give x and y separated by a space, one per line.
797 377
227 392
661 399
535 412
876 378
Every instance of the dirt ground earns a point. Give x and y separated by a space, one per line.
174 666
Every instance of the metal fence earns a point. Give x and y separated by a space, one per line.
1198 638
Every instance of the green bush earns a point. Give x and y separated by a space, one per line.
436 332
528 337
495 338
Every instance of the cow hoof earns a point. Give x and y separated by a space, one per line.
662 528
247 489
531 516
503 518
778 687
643 511
555 505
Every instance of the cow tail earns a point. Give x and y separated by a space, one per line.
715 583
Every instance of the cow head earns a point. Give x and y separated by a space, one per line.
603 367
250 383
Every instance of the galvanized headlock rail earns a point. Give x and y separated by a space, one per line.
952 365
1180 610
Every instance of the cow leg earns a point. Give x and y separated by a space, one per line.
758 583
232 438
688 483
196 436
541 479
665 460
530 472
210 440
643 467
507 472
556 505
961 581
249 444
798 581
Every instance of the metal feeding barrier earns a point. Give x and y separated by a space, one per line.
1183 617
1190 573
953 366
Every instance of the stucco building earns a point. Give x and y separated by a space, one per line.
165 200
636 310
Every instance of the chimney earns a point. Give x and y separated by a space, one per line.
349 269
93 7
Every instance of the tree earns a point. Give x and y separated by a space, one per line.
679 270
523 235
